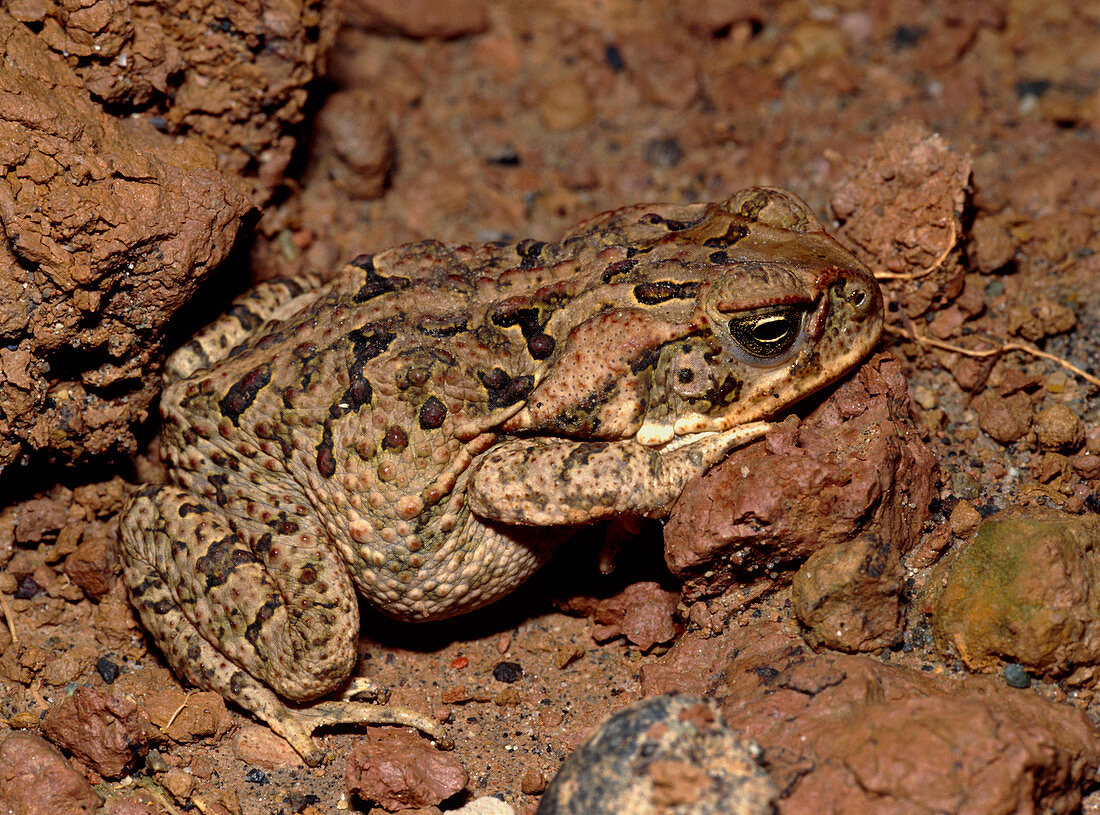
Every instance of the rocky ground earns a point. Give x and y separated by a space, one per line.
891 596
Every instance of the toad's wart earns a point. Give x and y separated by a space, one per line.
422 430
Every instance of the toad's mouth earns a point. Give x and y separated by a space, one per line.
736 436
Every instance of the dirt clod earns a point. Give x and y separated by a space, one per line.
105 732
939 744
1005 418
642 612
399 770
1059 428
855 462
847 595
35 779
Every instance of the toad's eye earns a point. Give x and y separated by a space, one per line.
767 333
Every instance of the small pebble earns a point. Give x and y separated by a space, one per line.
1059 428
256 776
107 670
1016 676
155 762
964 486
28 588
926 397
964 519
533 782
507 672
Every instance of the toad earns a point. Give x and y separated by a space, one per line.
423 429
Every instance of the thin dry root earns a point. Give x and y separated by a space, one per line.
923 339
951 240
177 711
9 617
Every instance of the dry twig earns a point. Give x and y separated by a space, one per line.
924 339
928 270
9 616
177 711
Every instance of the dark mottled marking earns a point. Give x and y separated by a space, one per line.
194 652
540 346
286 527
221 559
504 391
619 270
495 379
243 393
510 313
195 347
161 606
263 614
248 319
647 359
369 341
376 285
530 252
290 284
725 392
580 455
364 262
736 232
146 585
308 576
357 394
269 339
671 224
395 439
237 682
719 258
432 413
187 509
661 291
218 482
326 461
263 545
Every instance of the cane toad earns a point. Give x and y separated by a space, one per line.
423 429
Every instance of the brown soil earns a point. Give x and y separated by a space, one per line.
957 142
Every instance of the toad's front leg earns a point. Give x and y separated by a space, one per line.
551 482
265 616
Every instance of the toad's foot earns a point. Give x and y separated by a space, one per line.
297 725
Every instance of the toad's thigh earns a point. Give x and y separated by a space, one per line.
279 606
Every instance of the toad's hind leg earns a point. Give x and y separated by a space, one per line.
268 626
271 300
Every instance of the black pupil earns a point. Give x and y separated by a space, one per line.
772 329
